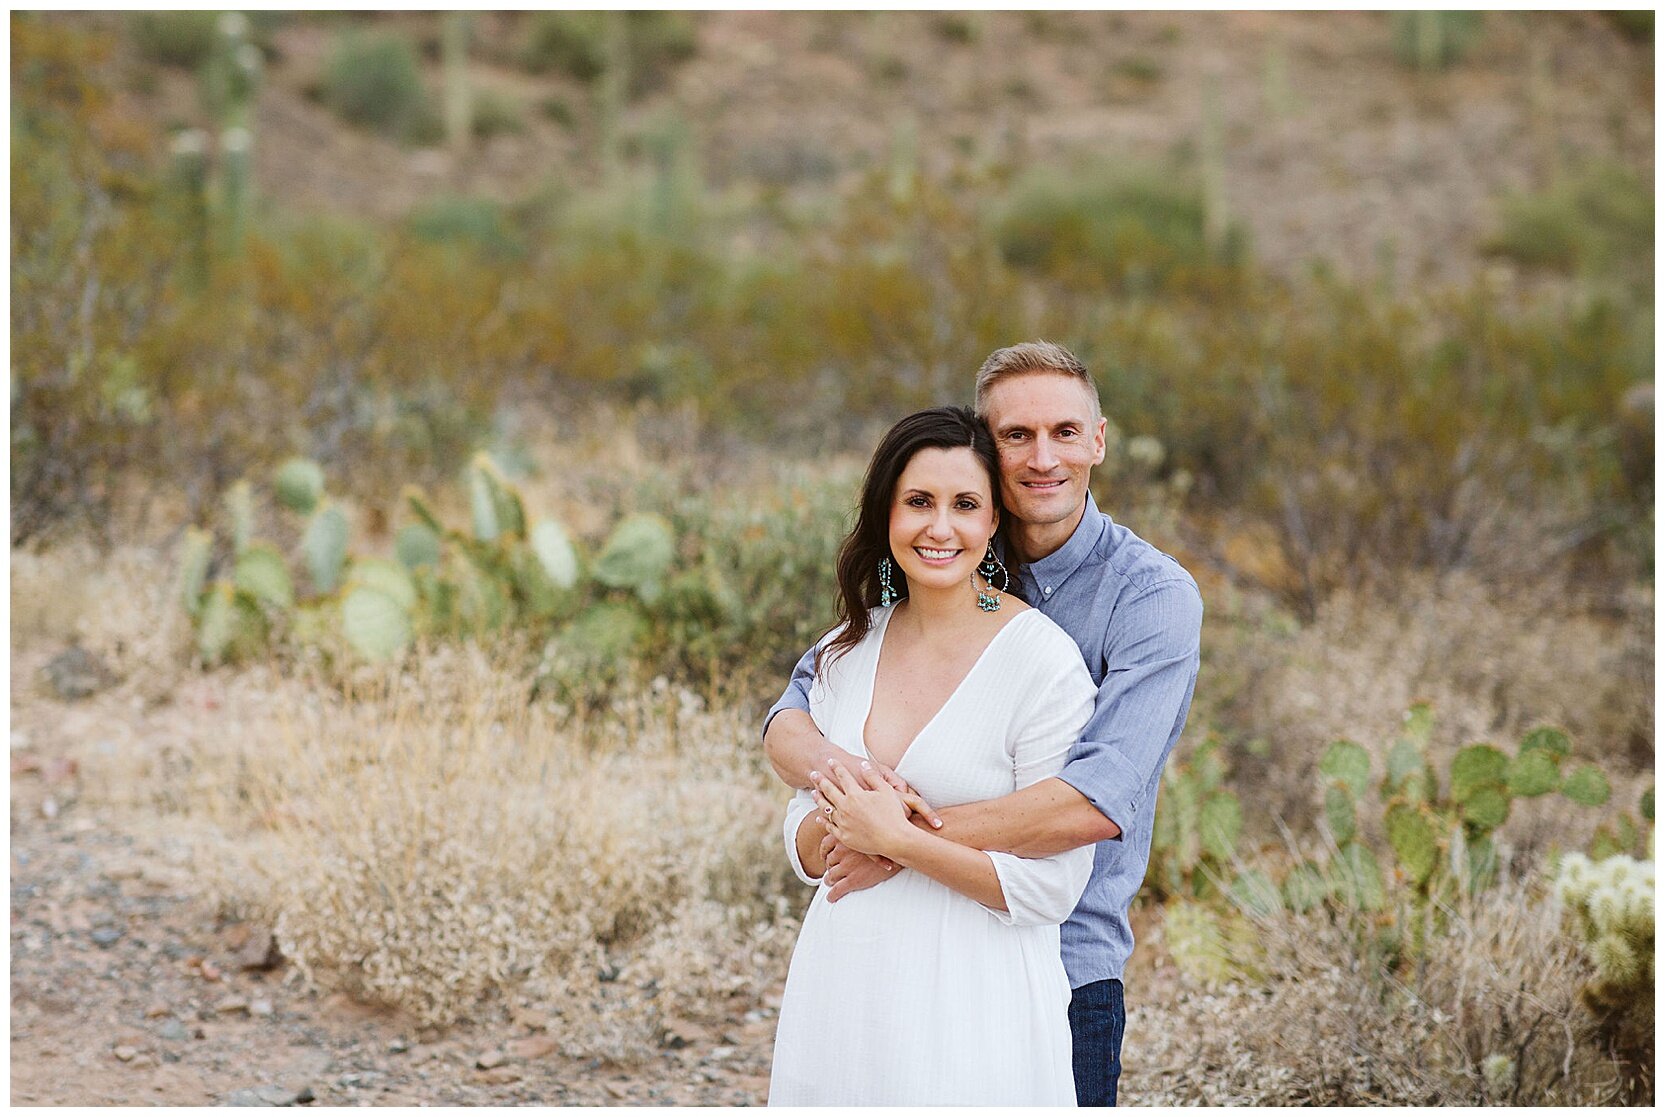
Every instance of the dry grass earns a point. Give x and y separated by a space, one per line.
1329 1026
437 844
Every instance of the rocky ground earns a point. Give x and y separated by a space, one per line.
128 989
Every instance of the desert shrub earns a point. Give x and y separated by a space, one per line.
1138 228
182 39
496 114
508 852
1426 40
1490 1017
574 43
1633 23
375 81
1597 222
476 221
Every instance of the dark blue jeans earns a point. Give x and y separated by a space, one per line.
1097 1019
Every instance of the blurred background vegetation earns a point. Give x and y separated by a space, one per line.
1369 298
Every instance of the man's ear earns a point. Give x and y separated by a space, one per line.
1098 442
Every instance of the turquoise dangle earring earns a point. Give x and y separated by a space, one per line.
988 598
887 592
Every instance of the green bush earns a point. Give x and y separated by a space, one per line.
182 39
497 114
375 81
574 43
1426 40
476 221
1598 222
1133 228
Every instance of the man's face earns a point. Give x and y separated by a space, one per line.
1049 441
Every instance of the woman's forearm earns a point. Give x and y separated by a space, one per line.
967 871
808 840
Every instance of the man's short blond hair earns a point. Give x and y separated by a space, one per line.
1032 356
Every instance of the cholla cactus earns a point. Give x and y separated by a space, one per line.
1609 907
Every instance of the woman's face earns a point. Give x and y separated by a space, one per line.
941 518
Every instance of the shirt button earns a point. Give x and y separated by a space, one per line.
1047 591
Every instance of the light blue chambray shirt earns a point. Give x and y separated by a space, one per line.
1136 615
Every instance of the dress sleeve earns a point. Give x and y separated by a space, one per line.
800 808
1042 890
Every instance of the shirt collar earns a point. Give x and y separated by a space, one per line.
1060 564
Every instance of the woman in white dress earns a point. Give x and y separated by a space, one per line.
942 985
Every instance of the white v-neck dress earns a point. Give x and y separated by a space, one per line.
909 993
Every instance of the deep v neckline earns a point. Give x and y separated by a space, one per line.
873 687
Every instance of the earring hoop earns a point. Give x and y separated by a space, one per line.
988 598
887 592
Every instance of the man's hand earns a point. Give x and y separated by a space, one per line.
849 871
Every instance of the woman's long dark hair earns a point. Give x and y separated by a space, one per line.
939 428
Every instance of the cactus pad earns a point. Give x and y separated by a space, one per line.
417 545
194 553
417 501
495 505
1255 893
1476 767
1586 785
1405 768
1356 879
232 625
555 554
299 484
1305 887
374 624
1220 823
388 577
1341 813
1547 738
1534 772
604 635
325 546
1486 808
1415 844
262 575
1347 763
637 555
239 511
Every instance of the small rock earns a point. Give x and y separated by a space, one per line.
501 1076
49 807
721 1052
20 739
106 936
398 1046
231 1005
173 1030
260 1008
530 1048
210 971
305 1096
616 1090
76 673
489 1060
263 1095
60 769
160 1008
125 1053
260 952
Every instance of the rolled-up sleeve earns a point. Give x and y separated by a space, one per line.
796 695
1151 659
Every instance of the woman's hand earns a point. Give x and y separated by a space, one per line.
868 815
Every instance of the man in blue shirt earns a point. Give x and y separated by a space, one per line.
1136 616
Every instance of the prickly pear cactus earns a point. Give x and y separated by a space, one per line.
299 485
637 556
261 574
239 511
375 625
496 506
232 625
325 546
555 554
195 552
417 545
